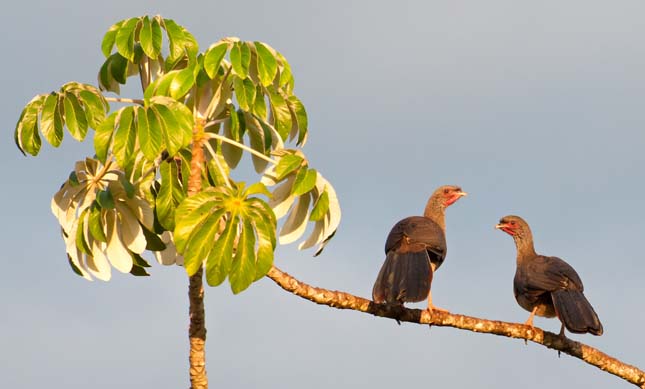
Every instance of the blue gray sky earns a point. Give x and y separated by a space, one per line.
534 108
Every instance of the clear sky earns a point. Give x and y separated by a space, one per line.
534 108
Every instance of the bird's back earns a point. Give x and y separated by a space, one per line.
418 233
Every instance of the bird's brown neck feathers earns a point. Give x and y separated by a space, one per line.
524 243
436 212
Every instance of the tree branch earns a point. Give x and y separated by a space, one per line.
343 300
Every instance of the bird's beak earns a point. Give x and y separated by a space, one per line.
461 194
504 227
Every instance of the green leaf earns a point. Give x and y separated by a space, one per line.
170 195
266 244
160 86
286 165
301 118
125 38
147 38
244 92
81 243
109 38
26 134
75 268
172 135
157 38
51 120
218 170
190 213
257 188
95 107
105 200
73 179
95 224
281 113
75 118
103 137
127 186
267 64
220 258
213 57
320 208
305 181
149 130
182 82
201 240
241 59
232 154
286 78
267 134
118 68
106 78
259 105
182 44
242 272
153 241
138 260
235 124
138 270
125 137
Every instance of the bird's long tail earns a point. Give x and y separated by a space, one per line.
404 277
575 312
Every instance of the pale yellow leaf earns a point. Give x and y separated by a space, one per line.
316 236
98 264
296 222
168 256
130 230
282 198
325 227
116 252
74 253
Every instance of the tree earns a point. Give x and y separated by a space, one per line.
162 177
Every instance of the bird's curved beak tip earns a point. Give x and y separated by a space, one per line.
462 194
499 226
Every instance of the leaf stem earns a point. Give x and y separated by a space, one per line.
214 156
210 135
125 100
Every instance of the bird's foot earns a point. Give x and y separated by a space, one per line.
529 323
562 335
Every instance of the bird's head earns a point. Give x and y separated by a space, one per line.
447 195
513 225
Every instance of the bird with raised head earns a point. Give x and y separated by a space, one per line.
414 249
548 286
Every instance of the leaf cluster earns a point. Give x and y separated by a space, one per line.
132 196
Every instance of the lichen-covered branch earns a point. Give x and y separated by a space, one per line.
343 300
197 328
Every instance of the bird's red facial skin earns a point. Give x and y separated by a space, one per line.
452 197
507 229
451 200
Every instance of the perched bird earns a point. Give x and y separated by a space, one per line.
415 248
548 286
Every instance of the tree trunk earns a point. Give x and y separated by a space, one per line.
197 328
197 332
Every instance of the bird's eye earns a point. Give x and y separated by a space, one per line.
445 191
512 223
